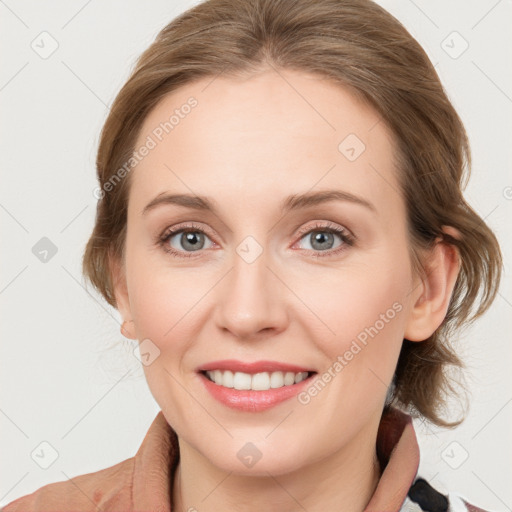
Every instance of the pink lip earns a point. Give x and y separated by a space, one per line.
249 400
255 367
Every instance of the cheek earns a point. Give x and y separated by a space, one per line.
162 299
349 301
165 304
366 312
361 310
163 310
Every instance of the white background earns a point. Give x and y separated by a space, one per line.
68 377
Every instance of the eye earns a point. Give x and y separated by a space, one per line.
179 241
326 238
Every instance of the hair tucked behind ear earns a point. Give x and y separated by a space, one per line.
360 46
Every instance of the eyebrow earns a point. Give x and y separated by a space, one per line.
293 202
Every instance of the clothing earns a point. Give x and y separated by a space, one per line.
144 482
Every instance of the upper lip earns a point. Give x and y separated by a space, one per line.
252 367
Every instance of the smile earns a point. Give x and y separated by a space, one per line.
257 382
255 386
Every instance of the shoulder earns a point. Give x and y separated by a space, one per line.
424 497
109 487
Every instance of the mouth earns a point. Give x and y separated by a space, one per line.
253 387
262 381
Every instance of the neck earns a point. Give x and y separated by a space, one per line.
344 480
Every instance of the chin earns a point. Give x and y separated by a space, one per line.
251 461
260 451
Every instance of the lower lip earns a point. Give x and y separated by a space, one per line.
250 400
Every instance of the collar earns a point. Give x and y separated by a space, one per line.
397 450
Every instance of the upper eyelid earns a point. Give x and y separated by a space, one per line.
328 225
187 226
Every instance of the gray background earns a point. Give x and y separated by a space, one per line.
68 377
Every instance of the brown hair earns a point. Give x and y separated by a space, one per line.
360 46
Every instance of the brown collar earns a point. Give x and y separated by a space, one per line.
397 450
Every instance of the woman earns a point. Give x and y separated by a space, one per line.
281 225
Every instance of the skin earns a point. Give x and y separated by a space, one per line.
247 145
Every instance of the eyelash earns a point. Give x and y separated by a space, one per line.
347 238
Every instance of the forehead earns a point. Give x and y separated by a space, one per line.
275 131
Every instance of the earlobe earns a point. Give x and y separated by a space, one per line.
433 295
120 290
127 329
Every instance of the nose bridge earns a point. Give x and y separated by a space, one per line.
250 299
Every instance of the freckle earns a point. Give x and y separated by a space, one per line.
97 496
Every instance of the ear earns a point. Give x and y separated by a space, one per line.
431 297
119 284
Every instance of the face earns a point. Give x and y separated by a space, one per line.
290 255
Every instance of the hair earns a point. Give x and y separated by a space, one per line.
363 48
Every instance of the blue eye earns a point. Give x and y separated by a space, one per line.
322 239
184 241
189 240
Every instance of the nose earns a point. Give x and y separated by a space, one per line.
251 300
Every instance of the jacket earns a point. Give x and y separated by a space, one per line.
143 483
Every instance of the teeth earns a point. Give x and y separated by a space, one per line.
257 381
227 379
260 381
240 381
